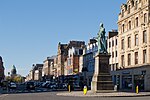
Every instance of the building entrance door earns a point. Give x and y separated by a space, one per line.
127 82
139 81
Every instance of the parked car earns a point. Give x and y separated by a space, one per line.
76 86
63 86
12 85
53 86
45 85
30 85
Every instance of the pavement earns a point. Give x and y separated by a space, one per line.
91 93
109 94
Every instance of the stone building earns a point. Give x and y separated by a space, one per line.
1 69
38 72
89 61
55 66
75 50
68 57
112 44
61 57
48 68
134 46
31 75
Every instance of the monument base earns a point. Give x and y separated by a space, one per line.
102 80
102 83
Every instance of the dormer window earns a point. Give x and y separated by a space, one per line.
128 9
136 4
132 3
122 13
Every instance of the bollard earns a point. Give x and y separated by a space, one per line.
85 90
115 88
69 88
137 89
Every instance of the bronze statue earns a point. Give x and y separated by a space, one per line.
101 39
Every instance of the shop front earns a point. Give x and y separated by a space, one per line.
139 81
129 79
127 82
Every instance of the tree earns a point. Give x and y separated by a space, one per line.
17 78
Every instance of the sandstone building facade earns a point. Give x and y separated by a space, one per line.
134 46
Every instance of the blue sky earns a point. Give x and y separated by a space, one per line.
31 29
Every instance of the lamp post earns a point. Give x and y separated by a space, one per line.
9 78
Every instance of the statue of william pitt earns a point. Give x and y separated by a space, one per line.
101 39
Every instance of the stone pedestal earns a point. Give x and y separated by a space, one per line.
102 80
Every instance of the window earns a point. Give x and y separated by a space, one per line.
128 9
136 40
109 44
116 54
123 28
136 22
122 13
129 42
144 56
76 52
113 67
69 62
129 59
129 25
145 18
81 51
116 41
122 44
112 54
112 42
116 66
144 36
122 61
136 57
132 3
136 5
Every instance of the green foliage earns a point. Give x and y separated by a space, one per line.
17 78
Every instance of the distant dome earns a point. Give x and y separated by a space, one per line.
13 71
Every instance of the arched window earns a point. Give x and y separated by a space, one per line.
122 61
129 59
136 22
129 25
144 36
136 40
128 9
122 13
129 42
136 57
136 4
144 56
123 27
145 17
122 44
132 3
